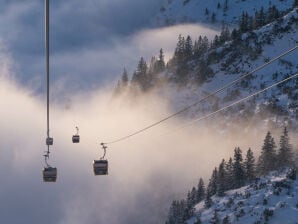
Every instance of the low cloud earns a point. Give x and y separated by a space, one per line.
92 67
146 172
91 41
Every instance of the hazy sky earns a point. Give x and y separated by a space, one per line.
145 173
76 28
91 41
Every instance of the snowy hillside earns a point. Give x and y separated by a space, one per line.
229 11
271 199
230 63
200 66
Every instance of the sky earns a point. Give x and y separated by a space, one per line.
146 172
91 41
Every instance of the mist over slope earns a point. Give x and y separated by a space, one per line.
145 172
199 67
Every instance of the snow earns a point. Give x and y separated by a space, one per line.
248 202
279 44
176 11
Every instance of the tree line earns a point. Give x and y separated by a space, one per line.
234 173
192 57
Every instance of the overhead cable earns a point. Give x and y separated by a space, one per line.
204 98
234 103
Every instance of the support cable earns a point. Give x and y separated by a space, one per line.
47 46
204 98
234 103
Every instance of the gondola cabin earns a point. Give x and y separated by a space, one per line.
49 141
49 174
100 167
75 139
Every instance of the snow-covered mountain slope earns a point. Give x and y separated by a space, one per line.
212 11
233 61
271 199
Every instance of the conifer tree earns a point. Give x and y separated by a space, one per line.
198 221
225 33
206 12
153 65
160 62
179 51
212 185
181 212
262 17
249 166
188 49
172 215
213 17
273 13
244 22
216 41
122 83
140 76
214 219
285 154
208 200
267 159
200 191
229 174
238 171
124 78
190 203
225 7
226 220
221 179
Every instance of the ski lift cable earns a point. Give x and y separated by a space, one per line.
204 98
47 46
232 104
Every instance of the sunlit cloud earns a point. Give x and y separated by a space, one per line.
146 172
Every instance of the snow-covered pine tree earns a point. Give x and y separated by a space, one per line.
238 171
267 159
285 154
200 191
249 166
